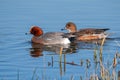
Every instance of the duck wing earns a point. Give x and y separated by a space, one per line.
52 35
92 31
69 35
58 37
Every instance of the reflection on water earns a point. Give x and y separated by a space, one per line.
37 49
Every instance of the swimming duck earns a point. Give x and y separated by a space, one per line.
48 38
87 33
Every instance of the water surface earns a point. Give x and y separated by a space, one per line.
17 59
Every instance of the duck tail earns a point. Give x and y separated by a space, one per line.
105 29
72 39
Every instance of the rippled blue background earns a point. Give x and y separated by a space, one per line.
17 16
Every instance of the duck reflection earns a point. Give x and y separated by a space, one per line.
37 49
90 44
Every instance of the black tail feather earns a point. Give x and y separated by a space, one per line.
105 29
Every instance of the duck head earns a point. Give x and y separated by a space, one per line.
36 31
70 26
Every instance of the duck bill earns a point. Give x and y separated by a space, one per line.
63 29
27 33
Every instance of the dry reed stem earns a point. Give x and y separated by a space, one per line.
114 61
61 49
103 41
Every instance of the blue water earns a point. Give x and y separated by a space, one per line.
17 61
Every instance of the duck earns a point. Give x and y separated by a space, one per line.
48 38
86 34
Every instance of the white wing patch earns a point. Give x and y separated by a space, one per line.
66 41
